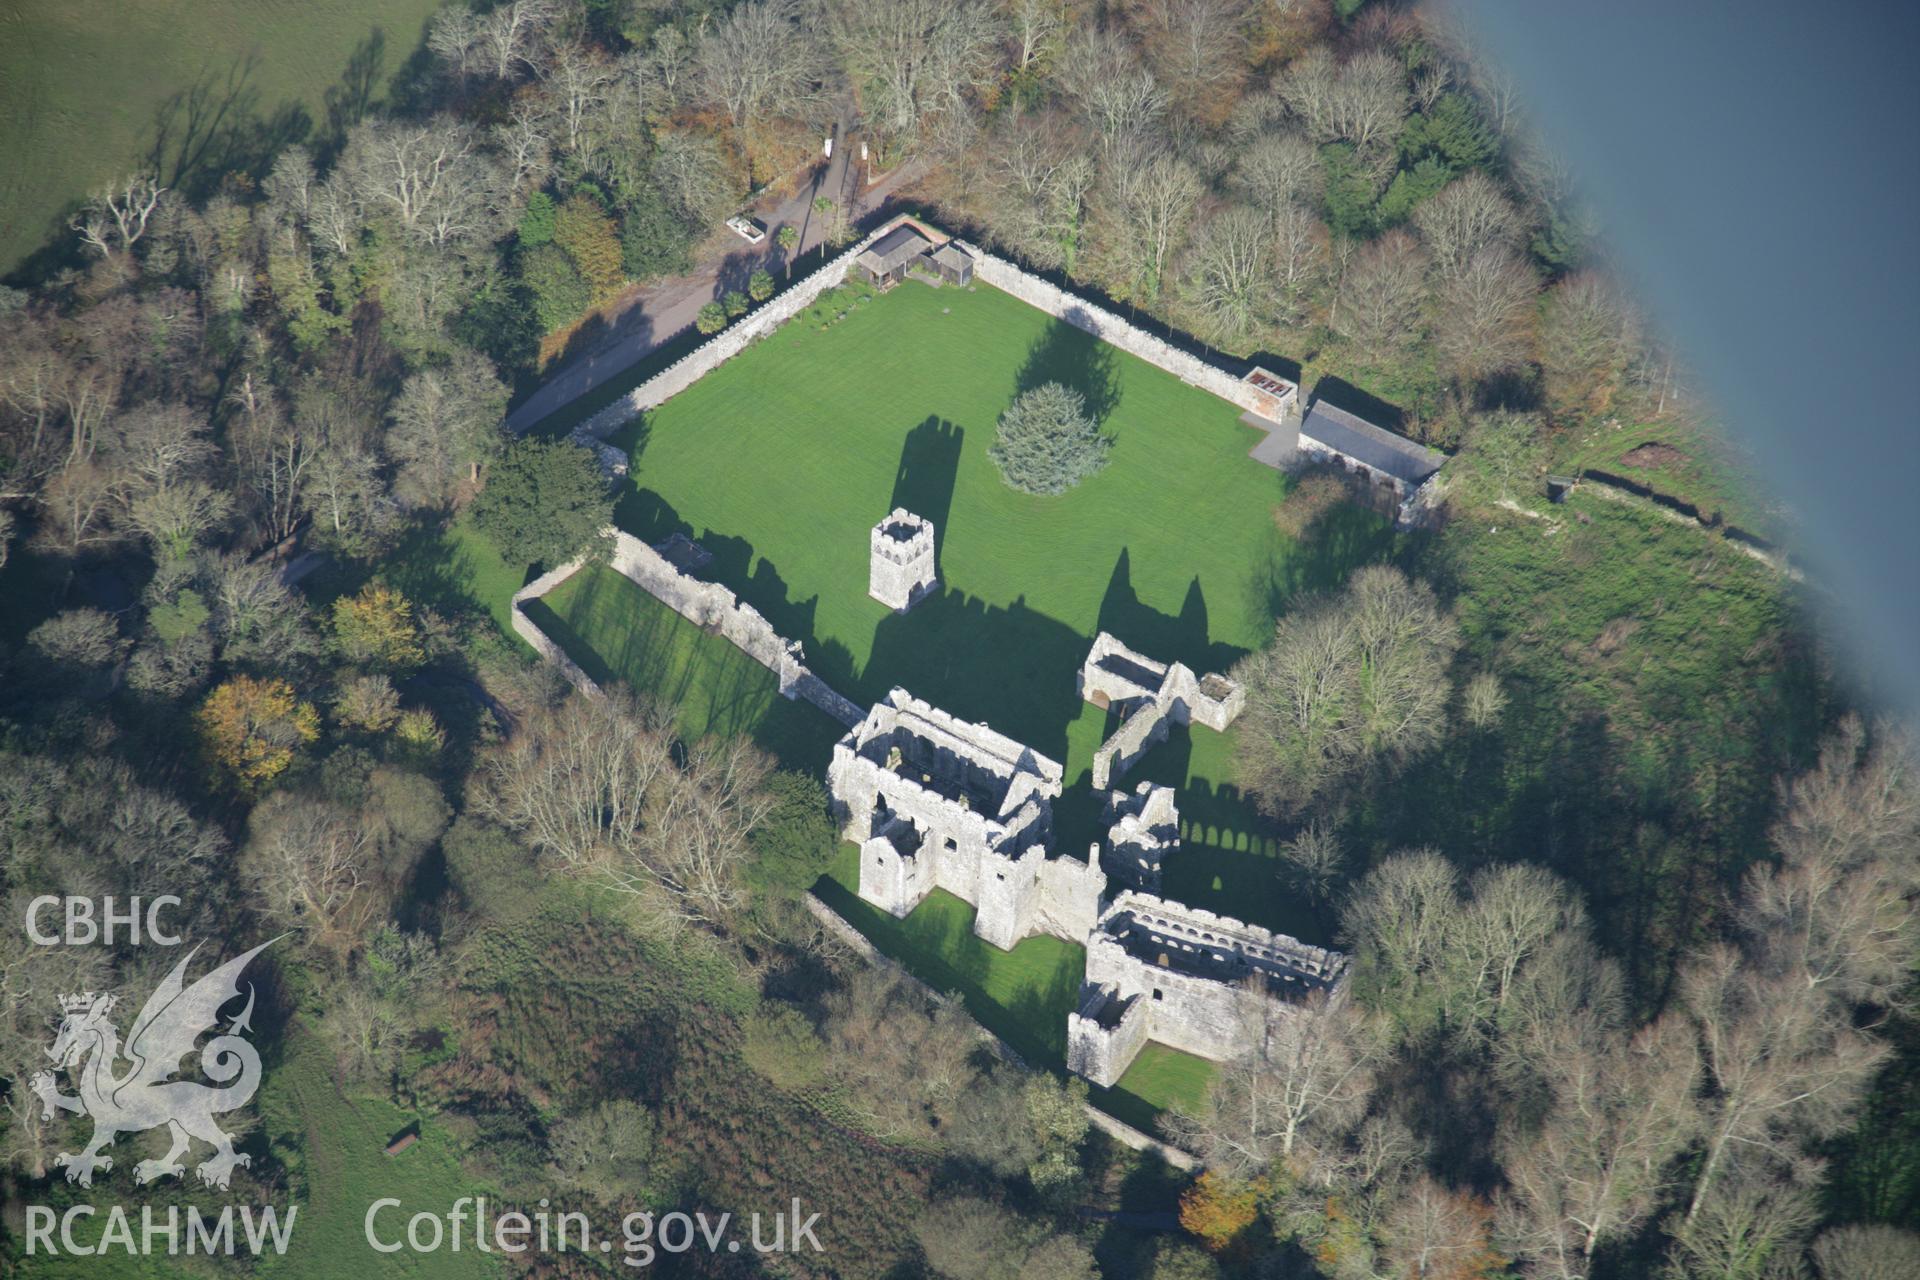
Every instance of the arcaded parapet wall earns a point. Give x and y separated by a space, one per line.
900 570
1193 971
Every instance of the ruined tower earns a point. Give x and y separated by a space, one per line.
901 572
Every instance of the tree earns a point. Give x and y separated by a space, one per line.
1837 913
1303 1075
1381 297
788 238
916 59
1175 1259
545 502
1218 1209
1313 860
582 228
1231 273
760 286
560 294
1867 1251
1589 337
1782 1064
796 840
763 59
1483 700
1620 1111
601 788
431 177
711 318
367 703
1750 1226
734 303
1045 443
1350 681
446 424
653 241
537 220
115 216
1486 315
252 728
1468 216
606 1150
376 629
311 862
1502 452
966 1238
783 1047
1152 205
907 1060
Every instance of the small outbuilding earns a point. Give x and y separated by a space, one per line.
953 264
894 254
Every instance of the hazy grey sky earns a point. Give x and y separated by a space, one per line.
1755 164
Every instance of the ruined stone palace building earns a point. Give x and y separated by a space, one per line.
935 802
1181 976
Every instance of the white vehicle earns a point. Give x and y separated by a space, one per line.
747 229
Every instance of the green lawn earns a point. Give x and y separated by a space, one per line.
93 89
613 629
780 461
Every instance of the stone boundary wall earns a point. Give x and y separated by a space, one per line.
1115 1128
1111 329
728 343
705 604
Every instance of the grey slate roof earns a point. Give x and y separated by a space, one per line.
1391 454
899 245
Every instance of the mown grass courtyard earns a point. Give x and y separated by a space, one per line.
780 461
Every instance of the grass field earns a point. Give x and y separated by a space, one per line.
92 89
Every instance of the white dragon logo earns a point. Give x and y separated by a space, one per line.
143 1096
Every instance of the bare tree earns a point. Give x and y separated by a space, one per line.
1485 315
311 864
1230 276
430 177
1838 914
446 422
1152 203
115 217
1751 1225
501 43
1036 27
1196 43
1513 911
1362 101
578 79
1398 918
1279 169
1433 1231
1314 859
1589 337
526 141
1303 1075
1381 297
916 59
1120 97
1866 1251
596 785
1782 1064
1468 215
761 59
1621 1111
